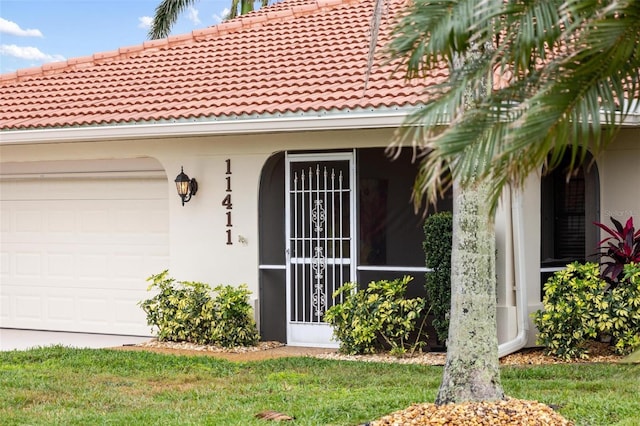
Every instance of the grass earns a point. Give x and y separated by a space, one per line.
57 385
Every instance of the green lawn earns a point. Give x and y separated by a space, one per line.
65 386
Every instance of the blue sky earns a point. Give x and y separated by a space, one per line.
34 32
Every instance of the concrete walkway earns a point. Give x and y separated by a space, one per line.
14 339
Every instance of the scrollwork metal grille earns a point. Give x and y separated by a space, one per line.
319 236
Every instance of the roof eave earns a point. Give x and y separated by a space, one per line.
344 121
632 120
372 119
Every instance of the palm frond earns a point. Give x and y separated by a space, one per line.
374 31
166 15
573 66
233 10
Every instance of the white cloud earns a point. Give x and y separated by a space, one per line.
9 27
193 15
223 15
28 53
145 22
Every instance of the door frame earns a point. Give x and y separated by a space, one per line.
299 334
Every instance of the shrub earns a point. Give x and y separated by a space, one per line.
573 301
622 247
624 324
186 311
233 323
377 317
438 232
580 306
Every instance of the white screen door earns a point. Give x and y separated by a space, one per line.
320 210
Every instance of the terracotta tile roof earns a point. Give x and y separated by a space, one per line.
294 57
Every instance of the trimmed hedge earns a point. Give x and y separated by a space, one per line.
438 232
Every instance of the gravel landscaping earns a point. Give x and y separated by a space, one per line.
599 352
499 413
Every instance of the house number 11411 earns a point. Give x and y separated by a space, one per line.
226 201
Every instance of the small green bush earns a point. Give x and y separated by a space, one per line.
580 306
438 232
186 311
376 318
573 301
233 323
624 325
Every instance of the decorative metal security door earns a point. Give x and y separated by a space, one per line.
320 244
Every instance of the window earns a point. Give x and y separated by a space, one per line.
568 210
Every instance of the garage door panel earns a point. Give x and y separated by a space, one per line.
83 306
50 187
60 266
62 263
61 310
111 241
28 307
75 255
28 222
28 265
92 305
88 271
114 225
128 314
4 266
5 306
128 267
60 221
92 266
95 223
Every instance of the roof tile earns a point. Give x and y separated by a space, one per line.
293 57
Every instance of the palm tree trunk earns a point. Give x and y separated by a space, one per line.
472 367
471 371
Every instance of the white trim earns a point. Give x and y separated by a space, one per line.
553 269
522 300
308 334
338 121
353 210
371 119
321 156
394 268
315 333
272 267
89 175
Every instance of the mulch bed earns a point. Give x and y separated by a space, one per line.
487 413
499 413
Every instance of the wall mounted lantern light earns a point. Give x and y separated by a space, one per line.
186 187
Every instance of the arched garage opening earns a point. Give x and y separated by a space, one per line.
78 240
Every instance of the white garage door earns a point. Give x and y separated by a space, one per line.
76 250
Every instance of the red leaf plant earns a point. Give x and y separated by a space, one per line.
622 246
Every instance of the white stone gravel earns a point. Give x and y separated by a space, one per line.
261 346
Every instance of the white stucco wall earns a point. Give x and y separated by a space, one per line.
198 239
619 176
